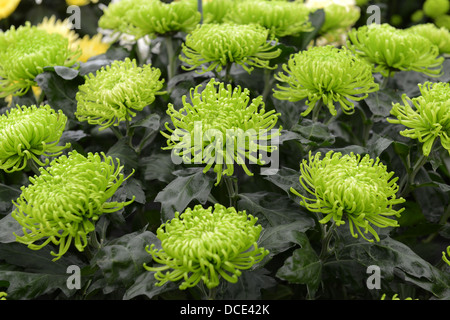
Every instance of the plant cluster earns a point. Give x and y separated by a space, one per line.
252 149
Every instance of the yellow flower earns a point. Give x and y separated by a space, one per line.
7 7
79 2
52 25
91 47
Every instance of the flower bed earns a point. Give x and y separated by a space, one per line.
239 150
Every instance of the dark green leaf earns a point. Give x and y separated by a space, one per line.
177 195
303 267
121 260
272 209
122 151
158 167
9 226
60 93
248 287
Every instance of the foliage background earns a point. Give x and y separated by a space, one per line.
410 257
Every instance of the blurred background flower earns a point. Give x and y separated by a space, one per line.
218 46
7 7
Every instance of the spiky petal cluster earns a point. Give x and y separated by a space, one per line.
438 36
205 245
282 18
444 257
116 92
221 44
28 133
326 73
352 187
25 51
220 128
150 17
391 50
62 204
428 117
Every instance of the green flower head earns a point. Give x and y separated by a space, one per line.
339 17
350 186
221 44
116 92
282 18
214 11
438 36
205 245
443 21
25 51
220 127
390 50
28 133
62 204
326 74
430 117
436 8
150 17
3 295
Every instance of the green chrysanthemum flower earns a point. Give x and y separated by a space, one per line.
28 133
219 128
62 204
205 245
391 50
115 17
116 92
326 74
281 18
25 51
222 44
436 8
430 117
443 21
438 36
350 186
339 17
214 11
150 17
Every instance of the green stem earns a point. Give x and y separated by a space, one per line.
385 81
316 110
117 132
227 73
170 58
408 180
232 188
268 82
34 167
327 236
